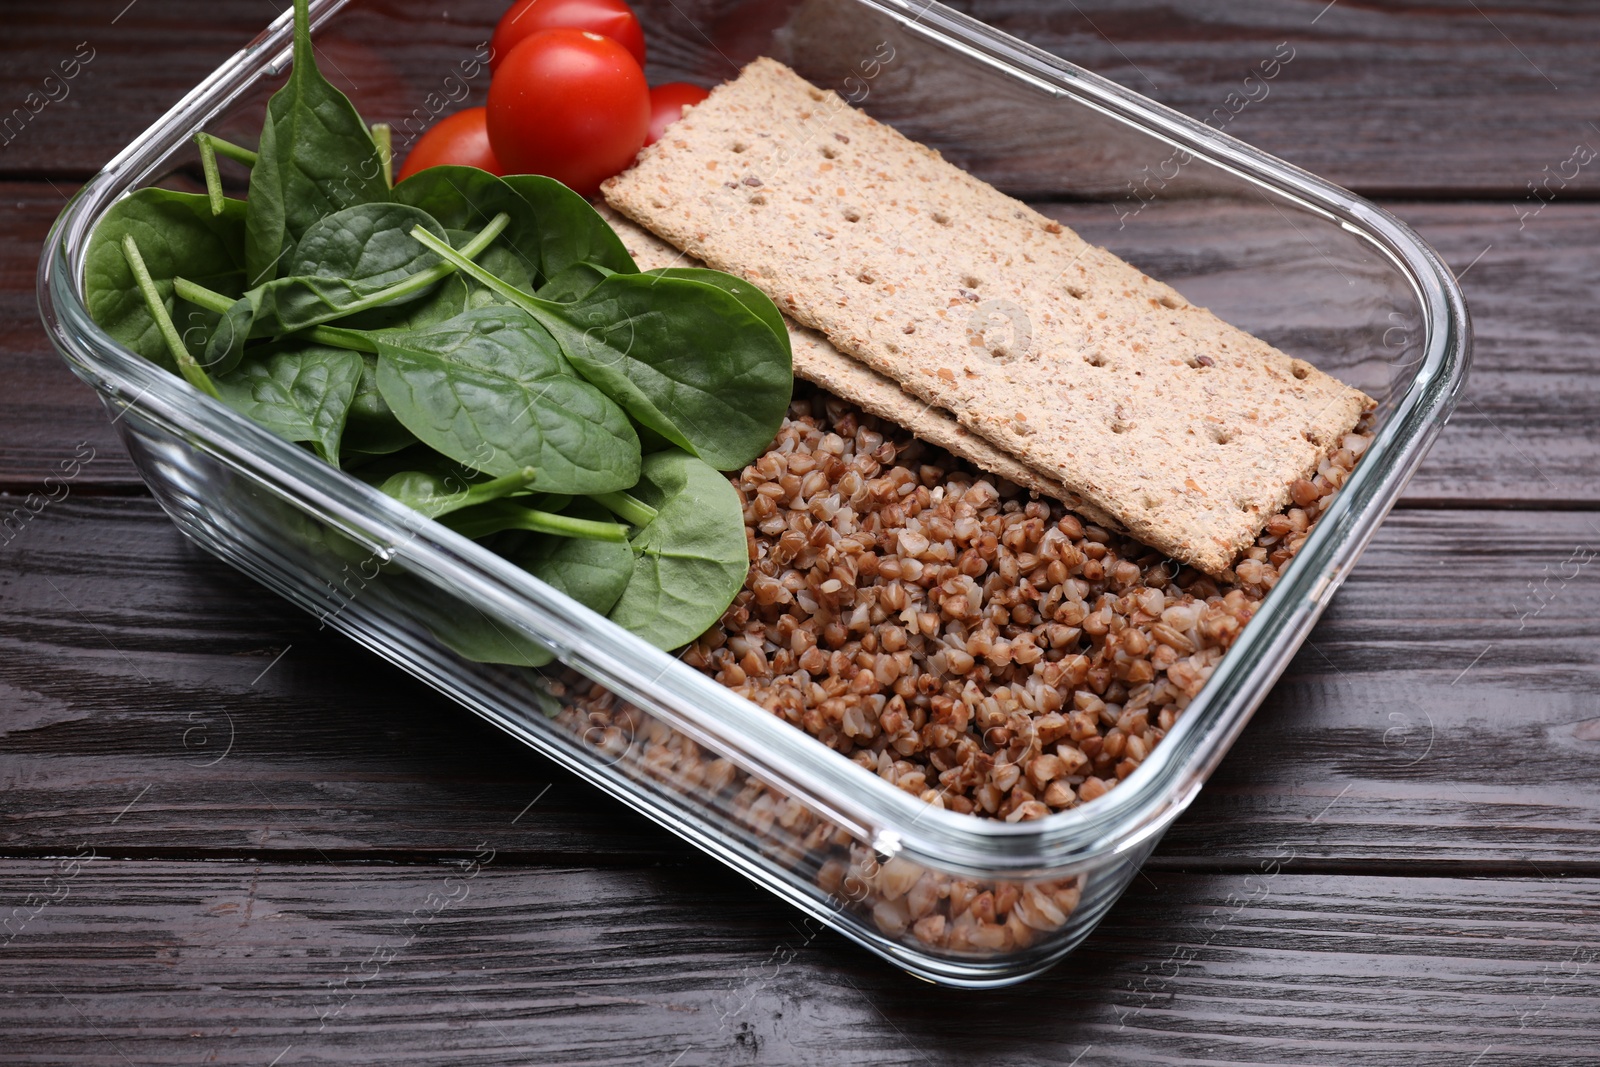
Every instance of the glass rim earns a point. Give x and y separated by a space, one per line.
763 745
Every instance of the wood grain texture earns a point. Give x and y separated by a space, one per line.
1529 430
45 411
238 963
1399 99
1441 721
135 659
1441 714
1390 99
386 54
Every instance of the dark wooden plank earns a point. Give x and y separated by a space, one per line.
1442 711
1394 99
1528 432
387 55
82 79
1391 99
134 659
1442 714
1529 428
1400 99
46 413
241 963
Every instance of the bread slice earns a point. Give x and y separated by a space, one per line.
1186 430
817 361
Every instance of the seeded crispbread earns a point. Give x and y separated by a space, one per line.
1188 431
817 361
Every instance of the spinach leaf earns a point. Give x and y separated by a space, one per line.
551 228
300 394
686 359
692 560
481 639
573 283
758 302
369 243
447 300
594 573
316 157
498 516
372 428
507 264
442 488
490 389
570 229
501 260
465 198
177 234
342 263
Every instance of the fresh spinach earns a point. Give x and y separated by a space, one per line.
490 389
570 229
176 234
759 303
552 228
594 573
316 157
370 244
506 263
475 636
301 394
498 516
192 372
344 263
691 561
574 283
687 359
464 198
445 301
482 349
436 491
372 429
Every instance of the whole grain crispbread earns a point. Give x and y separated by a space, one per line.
817 361
1188 431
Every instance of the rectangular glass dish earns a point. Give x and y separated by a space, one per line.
953 898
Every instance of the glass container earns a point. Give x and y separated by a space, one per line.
1309 267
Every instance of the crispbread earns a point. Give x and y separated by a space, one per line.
1188 431
816 360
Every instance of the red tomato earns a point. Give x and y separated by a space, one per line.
667 102
461 139
571 105
608 18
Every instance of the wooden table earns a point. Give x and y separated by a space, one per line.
255 805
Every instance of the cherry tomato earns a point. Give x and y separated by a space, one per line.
667 102
608 18
461 139
569 104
